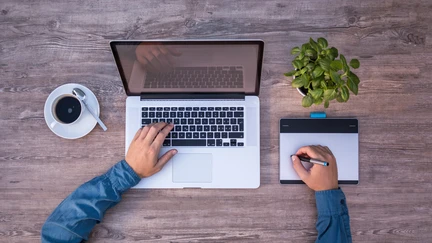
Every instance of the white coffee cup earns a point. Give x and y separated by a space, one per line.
66 110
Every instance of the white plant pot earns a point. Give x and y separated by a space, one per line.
299 90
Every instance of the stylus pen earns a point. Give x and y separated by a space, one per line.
313 161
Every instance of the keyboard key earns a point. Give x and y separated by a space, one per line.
167 142
169 120
190 121
201 114
197 121
180 114
174 135
218 108
236 135
235 128
225 108
240 144
226 121
181 108
155 121
181 135
218 142
233 142
199 128
166 108
217 135
158 114
188 135
145 109
185 128
188 108
233 121
208 114
159 108
196 135
203 108
211 142
203 135
177 128
165 114
146 121
239 108
183 121
228 128
204 121
209 135
152 109
176 121
194 114
192 128
162 120
222 114
173 114
226 144
196 108
188 142
212 121
210 108
174 108
224 135
187 114
238 114
151 114
213 128
215 114
144 115
230 114
218 121
241 124
206 128
232 108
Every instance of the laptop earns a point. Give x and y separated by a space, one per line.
209 90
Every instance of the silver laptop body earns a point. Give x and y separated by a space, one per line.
209 90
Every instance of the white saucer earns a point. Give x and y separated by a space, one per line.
84 124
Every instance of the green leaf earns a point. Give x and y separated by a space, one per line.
318 71
301 55
322 42
345 93
326 104
316 83
336 65
303 70
290 73
352 85
305 80
325 64
318 101
295 51
344 63
305 46
310 53
354 63
297 83
323 84
354 77
297 64
329 94
310 66
335 77
306 61
339 98
333 53
307 101
316 93
314 45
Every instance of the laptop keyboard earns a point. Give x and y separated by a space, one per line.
199 126
197 77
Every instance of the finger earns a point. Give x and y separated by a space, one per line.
158 141
145 64
307 150
328 150
173 51
155 61
165 158
145 130
137 134
153 132
161 57
299 168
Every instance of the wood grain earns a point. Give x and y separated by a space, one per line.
44 44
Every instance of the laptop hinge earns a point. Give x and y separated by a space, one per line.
192 96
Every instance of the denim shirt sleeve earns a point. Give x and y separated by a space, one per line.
333 219
75 217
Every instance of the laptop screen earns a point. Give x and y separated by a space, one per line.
232 66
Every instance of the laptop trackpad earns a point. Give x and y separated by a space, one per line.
192 168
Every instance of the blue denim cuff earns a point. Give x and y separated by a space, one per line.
122 176
330 202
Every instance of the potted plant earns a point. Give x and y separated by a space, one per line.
320 74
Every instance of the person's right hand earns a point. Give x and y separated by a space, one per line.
318 177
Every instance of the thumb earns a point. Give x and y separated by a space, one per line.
165 158
299 168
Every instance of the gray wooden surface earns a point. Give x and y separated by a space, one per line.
45 44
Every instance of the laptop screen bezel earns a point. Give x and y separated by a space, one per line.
259 43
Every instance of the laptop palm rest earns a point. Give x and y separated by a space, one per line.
192 168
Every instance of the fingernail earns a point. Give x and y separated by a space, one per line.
293 158
175 151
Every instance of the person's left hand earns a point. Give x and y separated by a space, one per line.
144 149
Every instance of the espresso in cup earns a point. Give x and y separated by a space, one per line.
67 109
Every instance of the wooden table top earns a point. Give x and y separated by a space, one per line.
46 44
